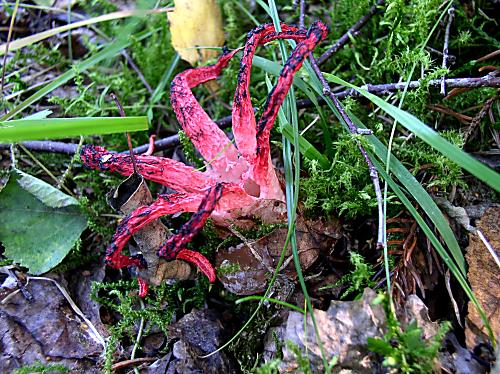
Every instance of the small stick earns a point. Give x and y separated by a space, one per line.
354 130
138 71
302 12
353 31
489 247
22 287
451 14
135 361
129 139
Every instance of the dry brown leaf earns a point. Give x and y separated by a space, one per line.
195 24
484 279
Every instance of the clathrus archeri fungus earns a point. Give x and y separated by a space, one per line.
237 176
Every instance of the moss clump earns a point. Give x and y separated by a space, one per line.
344 188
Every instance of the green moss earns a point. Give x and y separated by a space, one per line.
344 188
228 269
445 173
159 307
42 368
189 150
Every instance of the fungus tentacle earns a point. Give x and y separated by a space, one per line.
174 174
243 118
166 204
207 137
263 172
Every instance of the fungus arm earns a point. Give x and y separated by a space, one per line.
166 204
170 173
263 167
207 137
243 118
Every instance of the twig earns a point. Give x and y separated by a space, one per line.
139 337
353 31
451 14
453 302
302 12
22 287
354 130
489 80
127 363
138 71
476 121
488 246
129 139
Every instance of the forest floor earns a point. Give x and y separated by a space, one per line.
370 245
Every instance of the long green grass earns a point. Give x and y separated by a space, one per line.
57 128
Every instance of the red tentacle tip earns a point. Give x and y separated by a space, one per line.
143 287
199 260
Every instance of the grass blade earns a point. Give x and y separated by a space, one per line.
461 278
23 42
53 128
272 300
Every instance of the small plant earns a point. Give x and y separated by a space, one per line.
359 278
405 349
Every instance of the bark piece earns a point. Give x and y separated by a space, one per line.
484 278
343 328
46 331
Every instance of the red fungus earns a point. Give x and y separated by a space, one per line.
237 176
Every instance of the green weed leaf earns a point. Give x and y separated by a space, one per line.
39 224
53 128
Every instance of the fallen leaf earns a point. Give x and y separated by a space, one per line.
132 193
195 25
39 224
248 268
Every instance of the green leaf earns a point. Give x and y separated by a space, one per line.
431 137
379 346
53 128
44 192
39 224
